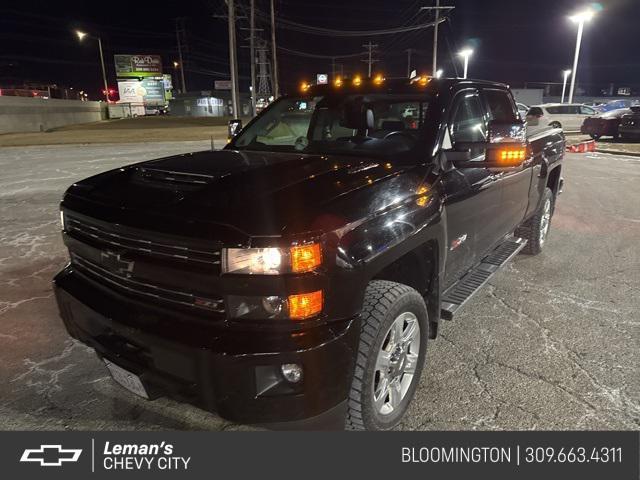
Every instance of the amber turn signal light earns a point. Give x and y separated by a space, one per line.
305 305
305 258
511 154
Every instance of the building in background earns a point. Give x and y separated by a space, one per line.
208 103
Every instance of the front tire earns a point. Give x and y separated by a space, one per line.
391 355
536 229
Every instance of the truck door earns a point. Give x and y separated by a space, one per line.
514 182
472 195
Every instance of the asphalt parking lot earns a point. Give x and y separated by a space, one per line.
552 343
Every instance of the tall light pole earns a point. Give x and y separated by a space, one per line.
81 36
580 19
566 74
465 54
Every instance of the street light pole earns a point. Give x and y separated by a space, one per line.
564 83
465 54
104 72
580 19
81 36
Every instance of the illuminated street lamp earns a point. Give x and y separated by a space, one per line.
566 74
580 18
466 53
81 36
439 73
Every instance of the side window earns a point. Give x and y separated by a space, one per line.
587 111
555 110
573 110
500 106
467 121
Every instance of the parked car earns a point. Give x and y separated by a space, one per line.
522 110
569 117
630 124
298 274
617 105
604 124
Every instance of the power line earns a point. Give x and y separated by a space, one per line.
299 27
315 55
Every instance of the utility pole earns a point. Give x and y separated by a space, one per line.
179 34
434 68
437 9
233 59
409 62
370 61
252 40
276 88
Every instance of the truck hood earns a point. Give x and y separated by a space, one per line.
256 193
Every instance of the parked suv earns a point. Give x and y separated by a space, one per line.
294 278
569 117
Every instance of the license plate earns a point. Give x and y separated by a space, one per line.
127 379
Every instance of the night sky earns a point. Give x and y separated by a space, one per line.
515 41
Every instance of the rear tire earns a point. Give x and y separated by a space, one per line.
555 125
536 229
391 355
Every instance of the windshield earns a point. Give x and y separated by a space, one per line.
372 124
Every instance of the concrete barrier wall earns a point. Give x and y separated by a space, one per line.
24 114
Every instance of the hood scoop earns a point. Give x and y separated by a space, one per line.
173 178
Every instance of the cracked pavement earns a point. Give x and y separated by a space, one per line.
551 343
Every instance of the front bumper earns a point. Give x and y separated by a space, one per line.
213 365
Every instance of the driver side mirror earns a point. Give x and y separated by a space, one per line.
506 148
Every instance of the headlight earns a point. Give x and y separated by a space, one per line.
272 261
61 219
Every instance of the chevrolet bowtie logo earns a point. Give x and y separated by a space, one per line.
50 455
113 262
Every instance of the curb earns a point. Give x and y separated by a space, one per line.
618 152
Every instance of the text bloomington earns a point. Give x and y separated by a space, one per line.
456 455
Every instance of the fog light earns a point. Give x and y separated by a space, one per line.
292 372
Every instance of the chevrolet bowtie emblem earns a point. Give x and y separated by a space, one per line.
50 455
113 262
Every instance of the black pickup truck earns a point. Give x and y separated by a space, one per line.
294 278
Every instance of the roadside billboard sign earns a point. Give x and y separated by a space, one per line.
138 65
222 84
130 91
147 91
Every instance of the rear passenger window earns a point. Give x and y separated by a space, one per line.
535 111
500 106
